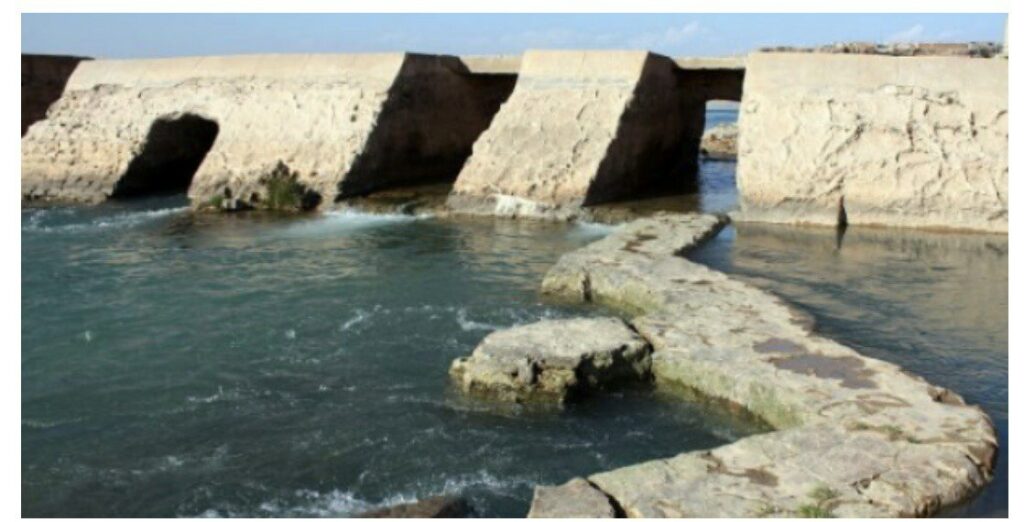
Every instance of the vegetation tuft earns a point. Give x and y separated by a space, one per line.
286 193
822 506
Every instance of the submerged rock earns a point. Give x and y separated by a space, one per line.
719 142
553 360
433 507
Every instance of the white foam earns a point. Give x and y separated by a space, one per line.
333 221
360 316
334 503
590 229
123 219
469 325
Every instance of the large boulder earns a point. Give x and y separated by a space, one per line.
553 360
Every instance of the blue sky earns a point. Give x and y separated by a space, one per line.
156 35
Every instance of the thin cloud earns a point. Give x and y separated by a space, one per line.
908 35
671 37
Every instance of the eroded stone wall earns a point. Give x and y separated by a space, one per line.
43 78
323 120
905 141
581 128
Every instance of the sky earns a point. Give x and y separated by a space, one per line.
160 35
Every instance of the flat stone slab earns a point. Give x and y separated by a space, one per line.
553 360
857 436
574 499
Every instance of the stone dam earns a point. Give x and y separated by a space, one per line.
894 140
826 138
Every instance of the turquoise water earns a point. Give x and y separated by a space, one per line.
181 365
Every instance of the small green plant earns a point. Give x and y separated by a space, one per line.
215 202
766 510
821 508
813 511
823 494
285 192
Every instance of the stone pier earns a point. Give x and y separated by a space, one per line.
583 127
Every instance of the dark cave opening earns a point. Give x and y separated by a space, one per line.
173 151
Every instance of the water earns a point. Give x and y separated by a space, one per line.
934 303
181 365
718 116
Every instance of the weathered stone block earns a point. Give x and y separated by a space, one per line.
904 141
583 127
553 361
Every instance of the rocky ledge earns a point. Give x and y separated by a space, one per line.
719 142
553 361
856 436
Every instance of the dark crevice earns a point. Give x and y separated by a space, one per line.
616 507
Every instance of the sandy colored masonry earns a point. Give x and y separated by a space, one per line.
342 124
916 141
582 128
904 141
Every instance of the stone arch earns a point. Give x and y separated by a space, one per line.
175 146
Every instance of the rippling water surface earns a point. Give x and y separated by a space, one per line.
179 365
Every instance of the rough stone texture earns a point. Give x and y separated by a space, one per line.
433 507
904 141
574 499
42 81
857 436
719 143
582 127
553 360
340 124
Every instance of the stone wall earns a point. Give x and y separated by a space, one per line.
582 128
43 78
904 141
337 124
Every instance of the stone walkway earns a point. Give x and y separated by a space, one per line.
857 437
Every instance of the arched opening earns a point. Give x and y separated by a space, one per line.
173 151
